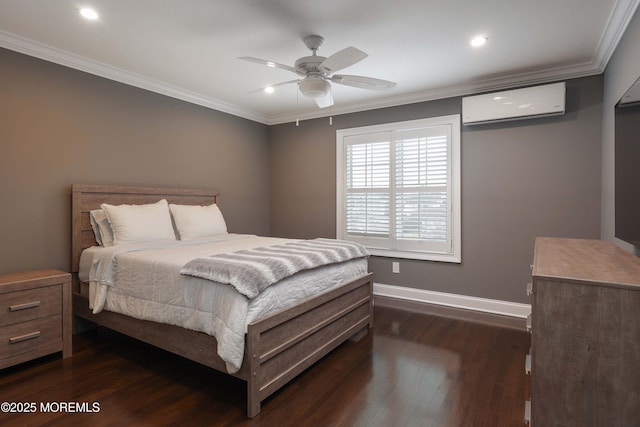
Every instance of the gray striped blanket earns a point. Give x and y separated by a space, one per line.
251 271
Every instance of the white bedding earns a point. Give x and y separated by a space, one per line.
144 281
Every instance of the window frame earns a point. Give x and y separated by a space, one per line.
453 255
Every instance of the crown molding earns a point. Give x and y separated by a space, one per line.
51 54
619 19
480 86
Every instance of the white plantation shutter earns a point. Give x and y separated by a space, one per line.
369 162
422 195
398 188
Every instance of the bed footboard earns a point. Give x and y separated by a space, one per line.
282 346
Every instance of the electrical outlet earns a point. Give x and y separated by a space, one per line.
395 267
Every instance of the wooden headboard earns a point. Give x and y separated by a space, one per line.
85 198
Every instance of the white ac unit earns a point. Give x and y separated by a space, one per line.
526 103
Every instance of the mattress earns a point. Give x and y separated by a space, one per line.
144 281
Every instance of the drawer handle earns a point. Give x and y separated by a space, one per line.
24 337
24 306
529 289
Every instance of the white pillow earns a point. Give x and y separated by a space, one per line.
95 226
101 227
198 221
140 223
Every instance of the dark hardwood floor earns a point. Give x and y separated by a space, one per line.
412 370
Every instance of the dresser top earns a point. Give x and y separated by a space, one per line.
594 262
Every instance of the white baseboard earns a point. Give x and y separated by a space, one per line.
504 308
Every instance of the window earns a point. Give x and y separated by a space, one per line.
398 188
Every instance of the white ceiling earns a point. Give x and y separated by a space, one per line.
189 49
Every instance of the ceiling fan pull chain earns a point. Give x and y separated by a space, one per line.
297 105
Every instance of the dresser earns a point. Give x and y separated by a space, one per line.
585 342
35 315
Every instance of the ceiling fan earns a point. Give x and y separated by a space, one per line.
317 72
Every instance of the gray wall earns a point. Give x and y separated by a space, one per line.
60 126
622 71
520 179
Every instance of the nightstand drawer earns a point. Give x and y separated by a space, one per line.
30 336
21 306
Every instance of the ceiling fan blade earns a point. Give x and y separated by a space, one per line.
342 59
262 89
267 63
325 101
363 82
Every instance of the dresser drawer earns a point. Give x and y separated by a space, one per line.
30 336
21 306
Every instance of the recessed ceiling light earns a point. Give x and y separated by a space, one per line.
89 13
269 89
478 41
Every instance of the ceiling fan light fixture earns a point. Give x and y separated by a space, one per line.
314 87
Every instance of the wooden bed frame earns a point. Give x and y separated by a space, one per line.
277 348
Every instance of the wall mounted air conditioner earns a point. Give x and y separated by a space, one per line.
526 103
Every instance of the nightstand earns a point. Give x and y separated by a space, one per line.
35 315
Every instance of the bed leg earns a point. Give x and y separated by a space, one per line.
253 402
253 383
